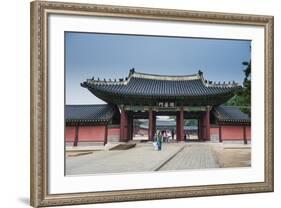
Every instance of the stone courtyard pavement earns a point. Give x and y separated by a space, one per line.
193 156
143 158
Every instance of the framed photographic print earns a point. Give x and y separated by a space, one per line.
142 103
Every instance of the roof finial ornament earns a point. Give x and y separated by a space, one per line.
132 71
200 73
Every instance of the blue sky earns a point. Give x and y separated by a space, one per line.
112 56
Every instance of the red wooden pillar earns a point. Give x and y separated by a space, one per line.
178 126
154 124
123 126
130 124
207 123
200 126
181 125
203 127
150 125
105 134
198 129
244 135
220 135
128 128
76 135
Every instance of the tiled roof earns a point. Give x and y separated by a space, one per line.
89 113
230 114
150 85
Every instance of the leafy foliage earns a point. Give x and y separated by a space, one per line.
242 98
191 122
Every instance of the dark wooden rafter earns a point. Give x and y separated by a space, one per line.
85 123
234 123
112 98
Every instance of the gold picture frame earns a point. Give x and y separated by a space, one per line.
39 103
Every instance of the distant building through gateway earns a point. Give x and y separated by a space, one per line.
145 96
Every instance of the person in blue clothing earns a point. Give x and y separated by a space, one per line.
159 140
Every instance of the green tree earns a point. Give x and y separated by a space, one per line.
242 98
191 122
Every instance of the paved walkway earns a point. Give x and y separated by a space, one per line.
139 159
143 158
193 156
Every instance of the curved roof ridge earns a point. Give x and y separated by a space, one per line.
197 76
147 76
163 77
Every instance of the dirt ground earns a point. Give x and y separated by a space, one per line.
228 158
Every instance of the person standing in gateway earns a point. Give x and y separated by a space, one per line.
159 141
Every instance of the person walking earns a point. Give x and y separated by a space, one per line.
159 141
